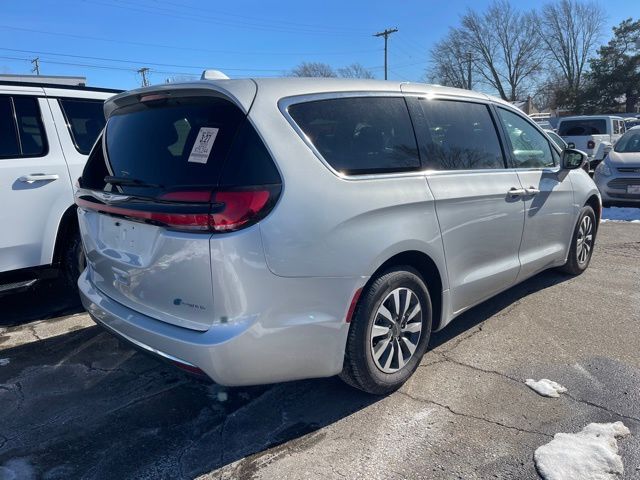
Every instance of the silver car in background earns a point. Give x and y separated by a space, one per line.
618 175
266 230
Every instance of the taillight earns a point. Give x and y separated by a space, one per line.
591 144
240 208
219 211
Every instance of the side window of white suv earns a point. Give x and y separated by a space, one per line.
21 130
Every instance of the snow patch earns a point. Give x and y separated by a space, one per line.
621 214
545 387
591 454
4 362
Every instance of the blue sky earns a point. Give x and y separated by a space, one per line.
107 40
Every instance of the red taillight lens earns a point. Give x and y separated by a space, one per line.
223 211
591 144
240 208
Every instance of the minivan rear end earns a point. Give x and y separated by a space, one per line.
169 204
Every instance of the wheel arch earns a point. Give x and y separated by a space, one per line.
67 228
594 202
428 270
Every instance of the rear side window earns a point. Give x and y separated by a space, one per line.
360 135
21 129
581 128
458 135
194 142
85 119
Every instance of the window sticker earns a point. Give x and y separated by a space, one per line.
203 145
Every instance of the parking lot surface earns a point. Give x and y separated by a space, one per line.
77 403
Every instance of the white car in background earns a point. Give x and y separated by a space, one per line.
46 133
592 134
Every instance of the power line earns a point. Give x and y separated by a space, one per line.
385 34
174 47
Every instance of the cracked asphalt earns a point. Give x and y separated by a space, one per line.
75 402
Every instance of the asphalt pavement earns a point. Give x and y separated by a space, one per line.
75 402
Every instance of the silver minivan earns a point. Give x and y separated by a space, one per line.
266 230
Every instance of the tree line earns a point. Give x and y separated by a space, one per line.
550 54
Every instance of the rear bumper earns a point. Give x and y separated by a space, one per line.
255 349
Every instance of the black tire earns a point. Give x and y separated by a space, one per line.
360 369
74 259
574 265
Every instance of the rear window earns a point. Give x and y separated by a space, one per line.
581 128
179 142
360 135
85 119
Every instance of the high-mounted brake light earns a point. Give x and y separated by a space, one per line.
153 97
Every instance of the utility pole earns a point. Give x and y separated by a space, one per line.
385 34
469 70
36 65
144 71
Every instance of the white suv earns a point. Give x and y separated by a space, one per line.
46 132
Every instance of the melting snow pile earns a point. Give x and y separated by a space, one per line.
4 362
545 387
621 214
591 454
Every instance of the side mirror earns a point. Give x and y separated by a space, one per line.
572 159
606 147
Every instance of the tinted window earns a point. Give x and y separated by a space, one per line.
30 129
85 119
529 147
580 128
182 142
8 138
458 136
360 135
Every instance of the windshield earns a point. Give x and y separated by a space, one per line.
580 128
629 142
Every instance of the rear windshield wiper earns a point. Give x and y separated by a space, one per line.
132 182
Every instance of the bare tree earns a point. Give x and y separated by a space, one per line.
451 62
505 46
498 47
355 70
313 69
570 30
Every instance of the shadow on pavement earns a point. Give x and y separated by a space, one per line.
487 309
47 299
83 404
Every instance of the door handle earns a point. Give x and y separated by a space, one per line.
516 192
532 191
39 177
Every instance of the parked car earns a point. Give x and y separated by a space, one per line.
593 134
46 133
559 141
267 230
618 176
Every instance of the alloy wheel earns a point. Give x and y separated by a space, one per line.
584 240
396 330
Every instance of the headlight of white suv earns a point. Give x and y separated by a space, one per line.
604 169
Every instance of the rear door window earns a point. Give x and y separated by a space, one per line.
582 128
360 135
457 135
21 130
85 119
8 135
